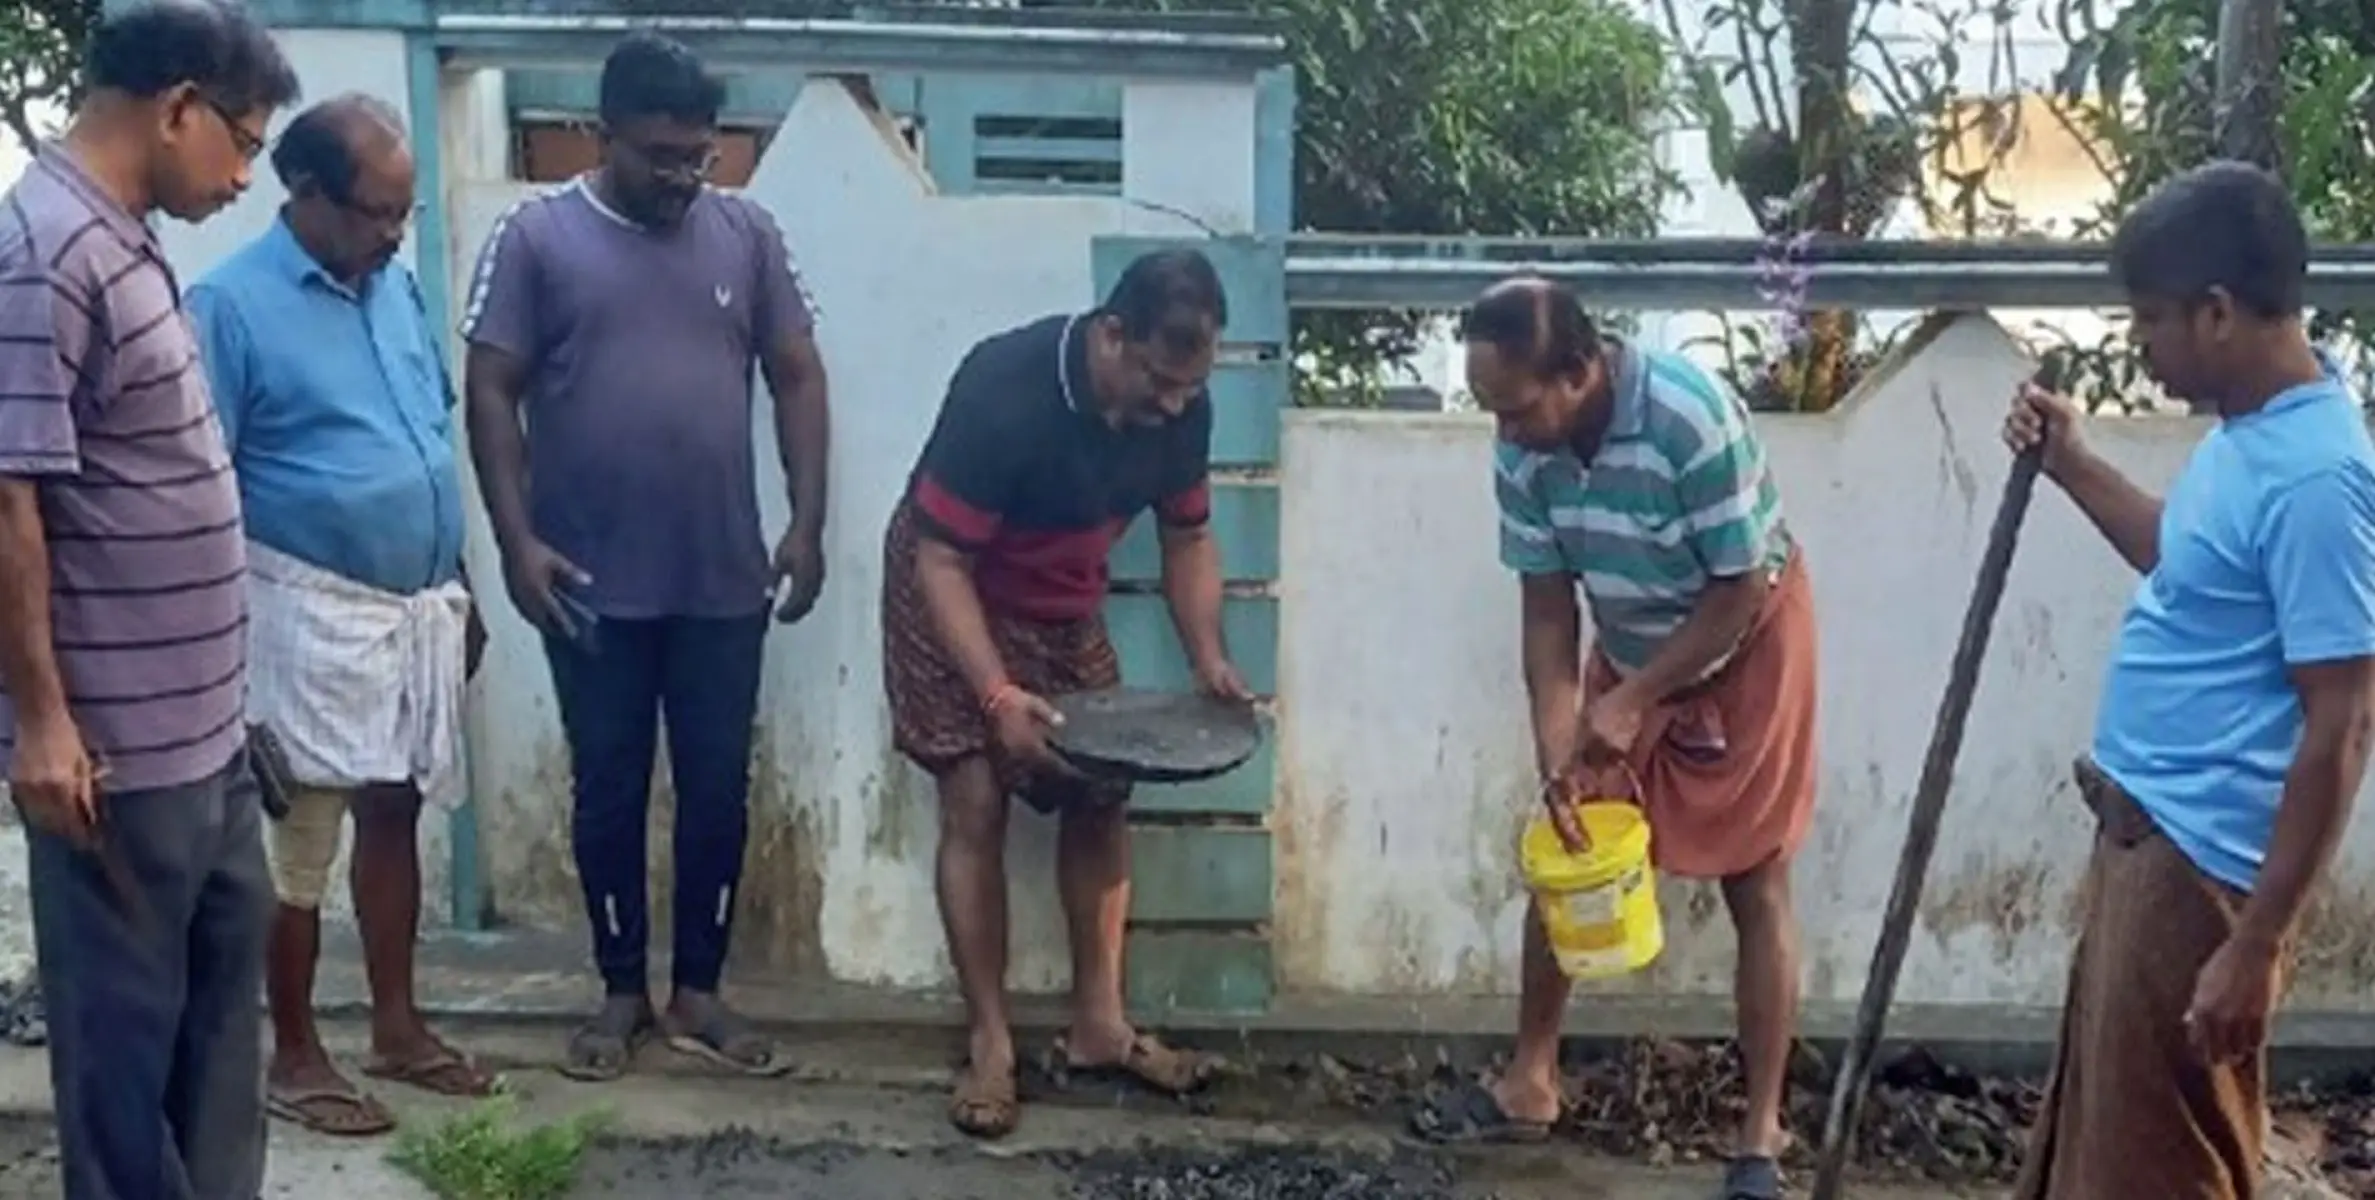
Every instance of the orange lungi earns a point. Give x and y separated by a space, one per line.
1713 816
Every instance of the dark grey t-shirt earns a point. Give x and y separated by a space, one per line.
641 345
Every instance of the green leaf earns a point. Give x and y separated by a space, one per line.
1471 117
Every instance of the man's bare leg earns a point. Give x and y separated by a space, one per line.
385 875
1530 1091
1766 994
299 1061
970 874
304 1082
1093 880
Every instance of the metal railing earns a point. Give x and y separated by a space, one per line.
1673 274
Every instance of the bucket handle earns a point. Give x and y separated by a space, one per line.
1622 770
1572 787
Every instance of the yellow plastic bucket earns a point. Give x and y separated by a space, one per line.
1599 908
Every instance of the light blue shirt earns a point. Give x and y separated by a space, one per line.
2267 562
339 414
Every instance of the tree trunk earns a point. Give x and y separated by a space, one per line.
1822 37
2250 95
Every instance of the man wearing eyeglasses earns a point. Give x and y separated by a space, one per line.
336 407
619 319
122 612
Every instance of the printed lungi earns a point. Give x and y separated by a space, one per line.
937 720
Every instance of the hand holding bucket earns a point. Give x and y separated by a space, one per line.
1561 797
1565 795
1586 860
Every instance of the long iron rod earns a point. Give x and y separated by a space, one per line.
1921 838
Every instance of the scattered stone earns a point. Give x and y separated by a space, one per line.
1285 1174
23 1019
1664 1102
739 1163
2326 1136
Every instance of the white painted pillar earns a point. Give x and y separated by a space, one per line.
1188 146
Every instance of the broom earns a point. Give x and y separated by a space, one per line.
1929 806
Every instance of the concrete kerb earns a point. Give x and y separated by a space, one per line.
677 1126
540 977
922 1037
879 1088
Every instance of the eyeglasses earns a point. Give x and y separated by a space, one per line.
248 144
681 164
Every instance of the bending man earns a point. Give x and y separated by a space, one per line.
1054 437
1632 476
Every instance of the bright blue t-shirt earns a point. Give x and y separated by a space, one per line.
2267 561
337 409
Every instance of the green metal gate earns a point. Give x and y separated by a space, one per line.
1200 910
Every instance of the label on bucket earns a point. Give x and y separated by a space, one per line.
1595 907
1602 905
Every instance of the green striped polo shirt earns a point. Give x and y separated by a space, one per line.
1678 494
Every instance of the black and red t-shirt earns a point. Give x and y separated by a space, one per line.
1026 475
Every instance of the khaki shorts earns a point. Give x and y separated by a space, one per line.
305 845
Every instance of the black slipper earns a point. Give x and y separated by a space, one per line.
727 1038
602 1049
1470 1115
1751 1177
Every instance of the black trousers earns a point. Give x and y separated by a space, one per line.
702 674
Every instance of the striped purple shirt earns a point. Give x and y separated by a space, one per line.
103 404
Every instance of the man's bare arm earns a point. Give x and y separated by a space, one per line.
803 427
1192 590
493 384
1726 610
1551 649
28 659
945 574
2338 727
2127 516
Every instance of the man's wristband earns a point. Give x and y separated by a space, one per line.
1000 698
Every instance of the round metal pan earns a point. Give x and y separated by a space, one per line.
1146 736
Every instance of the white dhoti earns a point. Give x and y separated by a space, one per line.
360 687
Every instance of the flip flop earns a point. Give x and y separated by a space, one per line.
983 1106
600 1052
1148 1063
728 1039
336 1112
1751 1177
446 1073
1471 1115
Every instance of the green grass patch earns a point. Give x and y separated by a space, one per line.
485 1154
